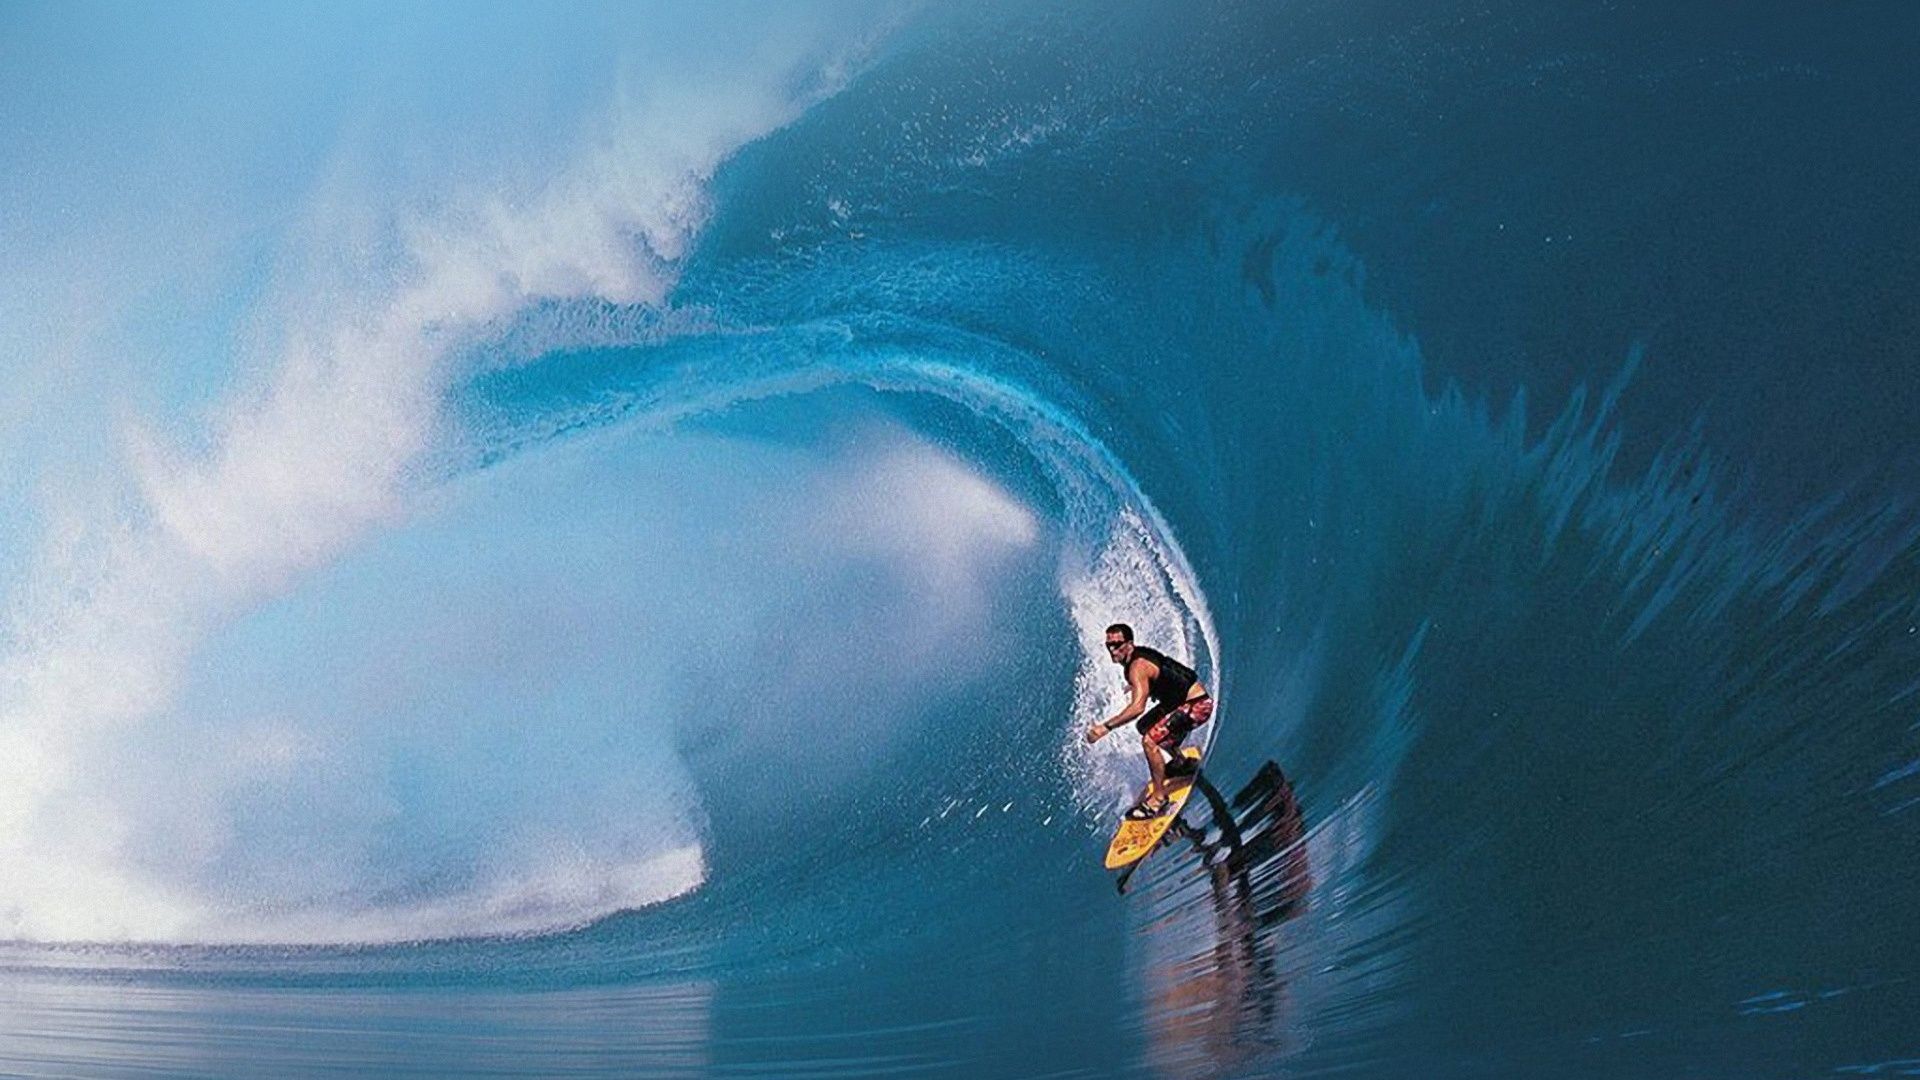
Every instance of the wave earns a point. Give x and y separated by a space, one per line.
723 526
362 324
200 744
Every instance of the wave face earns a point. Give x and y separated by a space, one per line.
594 561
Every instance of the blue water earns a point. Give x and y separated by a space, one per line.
539 545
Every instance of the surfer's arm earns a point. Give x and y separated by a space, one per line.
1137 682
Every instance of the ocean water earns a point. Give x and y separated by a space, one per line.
575 542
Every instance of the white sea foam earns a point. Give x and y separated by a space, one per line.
932 508
367 317
550 893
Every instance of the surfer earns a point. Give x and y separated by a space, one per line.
1180 704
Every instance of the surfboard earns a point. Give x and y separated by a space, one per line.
1136 839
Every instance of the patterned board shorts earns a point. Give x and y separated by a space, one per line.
1174 725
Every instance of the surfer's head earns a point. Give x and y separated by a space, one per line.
1120 642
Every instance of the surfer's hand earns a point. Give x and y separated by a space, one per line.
1095 730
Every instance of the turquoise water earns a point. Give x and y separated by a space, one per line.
579 546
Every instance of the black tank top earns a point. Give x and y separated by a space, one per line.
1175 679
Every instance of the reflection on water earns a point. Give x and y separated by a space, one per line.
1217 990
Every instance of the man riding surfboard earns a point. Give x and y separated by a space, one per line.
1181 703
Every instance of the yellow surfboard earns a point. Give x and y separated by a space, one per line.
1136 838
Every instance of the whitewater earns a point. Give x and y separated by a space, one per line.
578 543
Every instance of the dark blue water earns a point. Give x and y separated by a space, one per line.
632 610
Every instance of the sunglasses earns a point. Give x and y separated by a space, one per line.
1114 646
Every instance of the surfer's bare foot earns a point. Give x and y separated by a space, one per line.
1148 808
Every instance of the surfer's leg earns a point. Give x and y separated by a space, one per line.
1174 731
1156 765
1152 729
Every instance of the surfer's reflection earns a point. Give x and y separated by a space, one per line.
1225 1003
